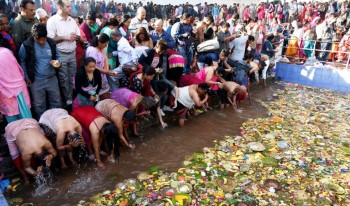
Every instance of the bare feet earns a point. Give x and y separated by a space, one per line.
100 164
74 163
110 159
139 135
64 166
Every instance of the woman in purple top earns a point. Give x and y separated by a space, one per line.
132 101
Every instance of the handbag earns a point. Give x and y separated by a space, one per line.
128 69
208 46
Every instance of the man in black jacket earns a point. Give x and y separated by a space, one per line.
39 59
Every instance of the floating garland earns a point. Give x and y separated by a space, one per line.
299 155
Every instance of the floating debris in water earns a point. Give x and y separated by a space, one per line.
299 155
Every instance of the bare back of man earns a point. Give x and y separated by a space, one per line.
31 143
65 127
230 87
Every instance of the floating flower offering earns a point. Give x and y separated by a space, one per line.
299 155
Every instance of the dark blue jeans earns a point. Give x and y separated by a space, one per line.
187 53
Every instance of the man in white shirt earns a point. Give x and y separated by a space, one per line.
239 45
64 31
139 21
126 56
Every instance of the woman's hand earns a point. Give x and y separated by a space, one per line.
131 146
164 125
92 98
220 85
112 73
48 159
234 105
175 105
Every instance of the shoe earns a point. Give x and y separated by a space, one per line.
162 113
167 109
69 102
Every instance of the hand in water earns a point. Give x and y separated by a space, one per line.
48 160
164 125
234 106
131 146
100 164
39 171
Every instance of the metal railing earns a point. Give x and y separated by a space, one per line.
314 50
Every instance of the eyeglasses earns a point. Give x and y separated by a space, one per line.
31 10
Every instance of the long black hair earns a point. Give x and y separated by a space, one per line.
110 134
49 134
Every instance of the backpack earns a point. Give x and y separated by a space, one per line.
208 46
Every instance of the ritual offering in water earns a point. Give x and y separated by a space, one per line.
298 155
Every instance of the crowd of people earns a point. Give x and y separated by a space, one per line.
77 75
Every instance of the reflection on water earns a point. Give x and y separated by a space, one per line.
164 148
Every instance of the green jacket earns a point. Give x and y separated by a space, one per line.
21 29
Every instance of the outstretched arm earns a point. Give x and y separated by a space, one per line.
121 135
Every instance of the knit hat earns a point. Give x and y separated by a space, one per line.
39 13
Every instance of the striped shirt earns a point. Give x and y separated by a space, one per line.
136 24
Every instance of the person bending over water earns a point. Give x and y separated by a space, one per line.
26 142
68 131
133 101
96 128
119 115
235 92
189 97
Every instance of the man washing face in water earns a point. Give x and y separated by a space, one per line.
68 131
26 141
233 92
